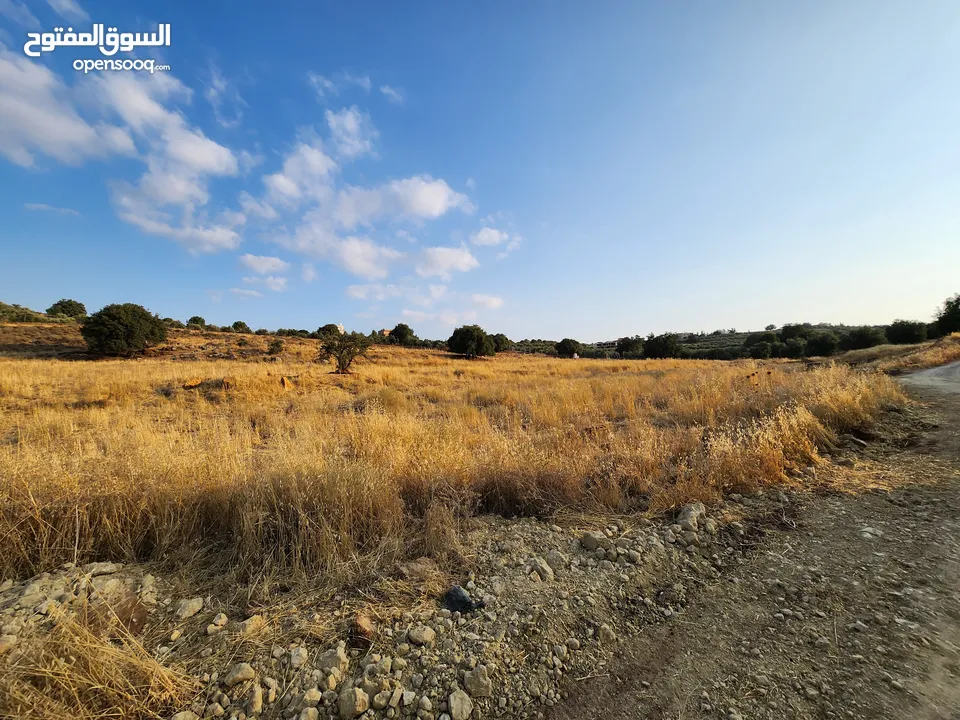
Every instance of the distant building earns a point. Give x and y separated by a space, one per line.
341 329
606 345
385 333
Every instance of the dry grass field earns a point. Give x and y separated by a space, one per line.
115 459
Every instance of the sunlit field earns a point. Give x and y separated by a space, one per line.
115 459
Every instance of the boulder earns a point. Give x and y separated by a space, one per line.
460 705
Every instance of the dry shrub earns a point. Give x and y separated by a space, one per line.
74 672
338 474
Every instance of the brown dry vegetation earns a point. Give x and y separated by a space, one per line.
897 359
114 459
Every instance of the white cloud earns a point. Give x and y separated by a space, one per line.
362 81
264 264
404 235
308 273
306 172
252 206
364 258
70 9
243 292
352 132
39 116
511 246
374 291
442 261
277 284
489 236
392 94
320 84
437 291
19 13
419 197
417 315
488 301
50 208
225 99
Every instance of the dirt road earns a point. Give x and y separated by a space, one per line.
853 614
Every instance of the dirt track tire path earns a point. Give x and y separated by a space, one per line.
871 589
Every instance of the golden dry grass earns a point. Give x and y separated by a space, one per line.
114 459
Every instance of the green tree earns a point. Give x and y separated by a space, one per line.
948 318
328 329
241 327
630 346
860 338
197 320
501 343
275 347
661 346
822 344
770 327
122 330
171 323
568 348
70 308
760 350
471 341
343 349
795 330
906 332
796 347
403 334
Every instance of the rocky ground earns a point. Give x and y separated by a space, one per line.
782 604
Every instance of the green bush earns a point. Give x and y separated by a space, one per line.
403 334
262 331
70 308
275 347
661 346
760 350
501 343
796 330
822 344
471 341
906 332
861 338
122 330
948 318
568 347
241 327
632 346
198 321
172 323
343 349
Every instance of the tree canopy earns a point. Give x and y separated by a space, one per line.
471 341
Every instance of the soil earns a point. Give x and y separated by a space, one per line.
852 611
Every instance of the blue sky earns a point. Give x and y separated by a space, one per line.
545 169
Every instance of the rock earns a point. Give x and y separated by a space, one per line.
308 714
188 608
252 625
352 702
456 599
311 698
690 515
185 715
408 697
6 585
539 565
381 699
238 673
556 560
849 439
606 634
220 620
334 659
363 627
422 635
419 569
477 682
396 697
255 700
101 568
7 643
594 539
460 705
298 657
425 704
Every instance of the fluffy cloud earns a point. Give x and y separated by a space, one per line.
352 132
277 284
19 13
324 86
243 292
40 117
488 301
442 261
320 84
364 258
225 99
264 264
306 173
419 198
252 206
489 236
392 94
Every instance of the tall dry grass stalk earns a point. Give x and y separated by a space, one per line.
114 459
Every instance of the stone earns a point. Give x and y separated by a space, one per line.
460 705
381 700
7 643
252 625
308 714
298 657
690 515
422 635
188 608
352 703
363 626
238 673
255 700
594 539
540 567
477 682
396 697
101 568
556 560
334 658
606 634
185 715
312 697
